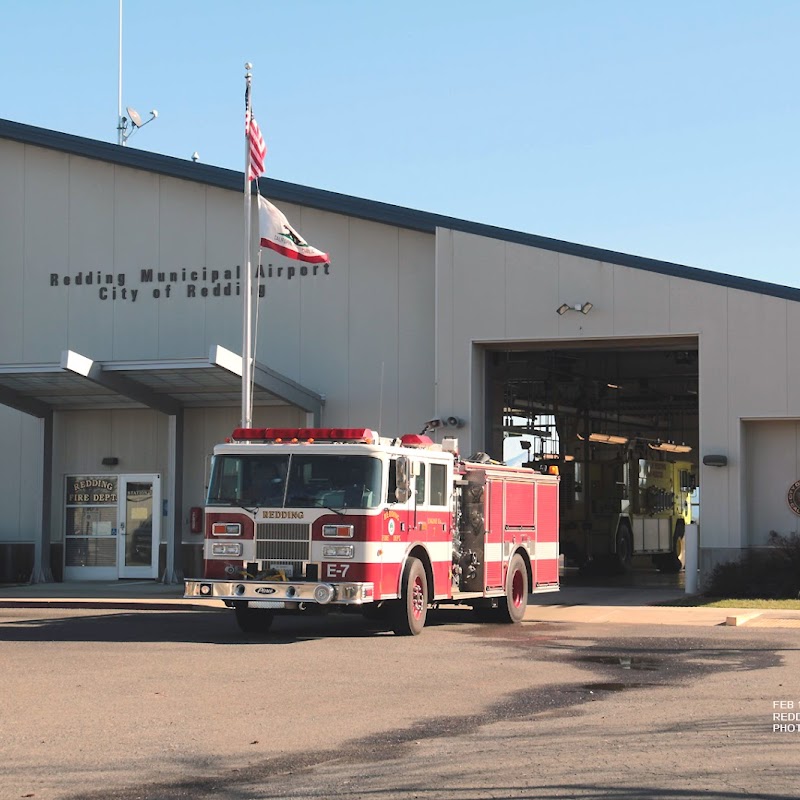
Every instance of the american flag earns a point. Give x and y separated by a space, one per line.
258 149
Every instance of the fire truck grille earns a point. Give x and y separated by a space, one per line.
284 542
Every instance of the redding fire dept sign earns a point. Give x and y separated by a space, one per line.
794 497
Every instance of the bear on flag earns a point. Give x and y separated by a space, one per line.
277 234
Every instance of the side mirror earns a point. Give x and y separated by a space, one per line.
403 490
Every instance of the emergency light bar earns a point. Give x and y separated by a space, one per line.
415 440
290 435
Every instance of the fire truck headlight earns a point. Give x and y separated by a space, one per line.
226 549
205 589
323 593
337 551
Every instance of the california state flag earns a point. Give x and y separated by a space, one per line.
277 234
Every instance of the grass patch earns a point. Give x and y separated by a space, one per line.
698 601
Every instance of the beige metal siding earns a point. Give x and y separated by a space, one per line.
772 452
12 251
746 363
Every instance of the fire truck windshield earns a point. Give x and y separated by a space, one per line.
296 481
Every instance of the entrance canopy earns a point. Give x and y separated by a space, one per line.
78 382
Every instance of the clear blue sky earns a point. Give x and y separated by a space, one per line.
669 129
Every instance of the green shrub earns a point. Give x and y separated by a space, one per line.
771 574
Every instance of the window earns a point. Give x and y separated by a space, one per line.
91 517
334 480
248 480
438 485
418 482
392 481
295 481
419 486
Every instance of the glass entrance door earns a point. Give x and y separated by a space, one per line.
91 517
112 526
139 526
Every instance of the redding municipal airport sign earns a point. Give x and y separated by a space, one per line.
189 283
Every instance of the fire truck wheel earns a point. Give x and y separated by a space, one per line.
624 550
253 620
408 617
516 601
671 562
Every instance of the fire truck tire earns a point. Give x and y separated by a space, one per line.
253 620
512 610
624 548
671 562
409 613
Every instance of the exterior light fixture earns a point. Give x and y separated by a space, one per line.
605 438
670 447
584 308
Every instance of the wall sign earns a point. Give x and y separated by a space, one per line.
91 491
190 283
794 497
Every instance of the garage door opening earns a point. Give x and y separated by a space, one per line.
621 423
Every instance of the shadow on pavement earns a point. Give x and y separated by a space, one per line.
206 627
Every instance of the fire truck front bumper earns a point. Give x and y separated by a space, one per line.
280 594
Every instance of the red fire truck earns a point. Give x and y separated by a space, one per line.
315 519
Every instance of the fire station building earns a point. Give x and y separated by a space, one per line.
121 340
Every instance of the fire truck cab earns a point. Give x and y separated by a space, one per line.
315 519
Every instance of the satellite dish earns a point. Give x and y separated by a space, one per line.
134 117
135 120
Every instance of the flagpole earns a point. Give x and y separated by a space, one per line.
247 278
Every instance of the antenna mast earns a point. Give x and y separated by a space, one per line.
134 118
120 122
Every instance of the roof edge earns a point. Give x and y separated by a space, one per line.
370 210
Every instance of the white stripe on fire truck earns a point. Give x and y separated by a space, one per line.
539 551
365 552
374 552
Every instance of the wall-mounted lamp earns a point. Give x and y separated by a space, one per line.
715 460
110 461
584 308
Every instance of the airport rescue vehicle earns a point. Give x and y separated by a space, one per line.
623 505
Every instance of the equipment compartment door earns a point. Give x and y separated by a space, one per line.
520 521
546 567
139 527
495 551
